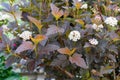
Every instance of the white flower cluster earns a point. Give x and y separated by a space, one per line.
84 6
4 16
112 21
93 41
74 35
79 0
25 35
97 27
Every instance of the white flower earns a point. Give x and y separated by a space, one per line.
53 79
74 35
25 35
118 9
112 21
100 26
93 41
97 27
79 0
84 6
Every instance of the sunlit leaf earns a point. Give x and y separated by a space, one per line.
66 51
24 46
78 60
56 12
36 22
66 13
80 21
38 38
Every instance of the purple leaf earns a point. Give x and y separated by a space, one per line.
24 46
49 48
78 60
10 60
31 65
52 30
112 57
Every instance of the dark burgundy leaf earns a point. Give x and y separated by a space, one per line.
49 48
61 60
113 48
31 65
52 30
103 45
10 60
114 36
1 46
112 57
78 60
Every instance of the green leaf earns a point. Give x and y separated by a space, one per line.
90 78
24 78
13 78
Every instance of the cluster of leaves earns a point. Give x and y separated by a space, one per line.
7 73
50 22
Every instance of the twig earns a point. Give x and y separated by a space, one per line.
66 72
114 73
99 10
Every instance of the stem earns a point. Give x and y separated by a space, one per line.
36 50
15 18
66 72
114 73
13 13
99 10
57 23
30 15
77 13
